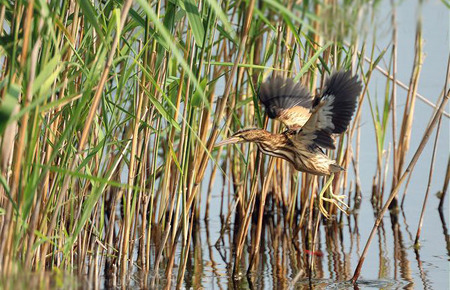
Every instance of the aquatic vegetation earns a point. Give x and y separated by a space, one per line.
109 112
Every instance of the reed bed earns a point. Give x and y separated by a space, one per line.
110 110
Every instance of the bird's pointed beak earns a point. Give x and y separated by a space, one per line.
232 140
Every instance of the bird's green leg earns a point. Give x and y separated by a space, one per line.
336 199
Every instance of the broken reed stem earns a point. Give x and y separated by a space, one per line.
408 113
447 174
430 176
403 177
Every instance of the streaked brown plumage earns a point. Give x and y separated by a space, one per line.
289 146
329 114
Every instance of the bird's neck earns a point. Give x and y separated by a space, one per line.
269 143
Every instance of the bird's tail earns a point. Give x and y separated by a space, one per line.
336 168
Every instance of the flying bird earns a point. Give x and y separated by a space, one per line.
311 122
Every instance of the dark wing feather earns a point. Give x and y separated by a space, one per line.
332 111
346 90
280 94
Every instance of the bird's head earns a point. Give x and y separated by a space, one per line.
246 135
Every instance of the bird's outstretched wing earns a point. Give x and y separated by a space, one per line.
332 110
286 101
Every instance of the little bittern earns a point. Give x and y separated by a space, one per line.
311 122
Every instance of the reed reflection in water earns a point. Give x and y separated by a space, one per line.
284 258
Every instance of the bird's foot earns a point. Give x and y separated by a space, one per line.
336 199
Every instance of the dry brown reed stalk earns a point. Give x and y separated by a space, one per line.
355 163
380 124
211 184
314 242
139 102
269 178
406 87
87 126
445 186
8 233
386 170
191 186
263 196
248 211
221 108
185 256
393 104
7 149
445 230
366 78
159 255
403 177
408 113
430 176
398 82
